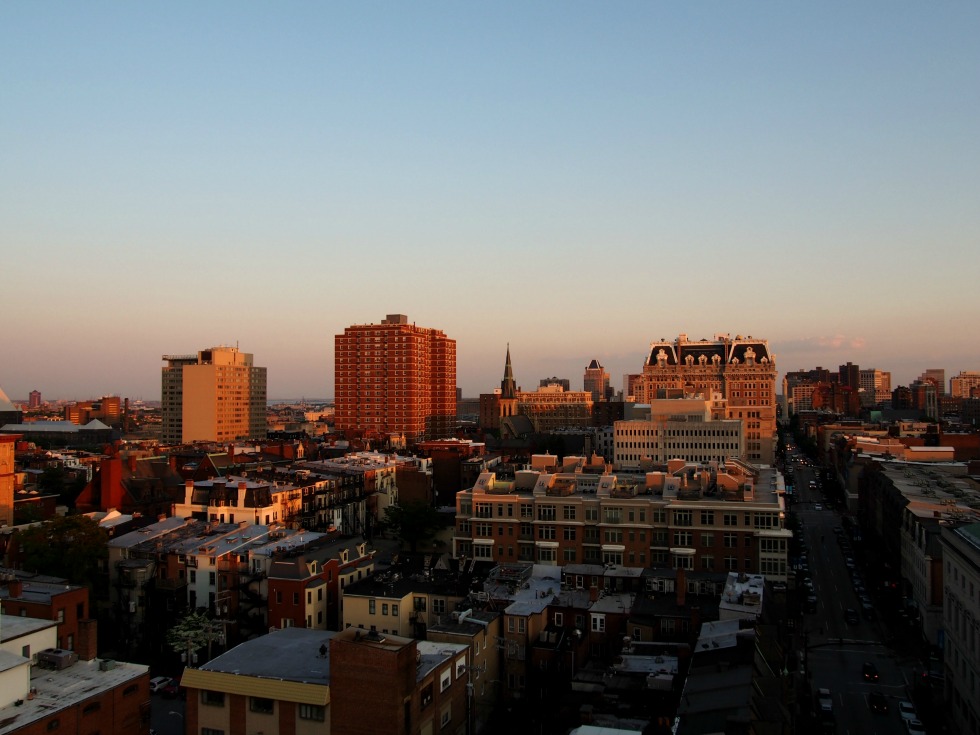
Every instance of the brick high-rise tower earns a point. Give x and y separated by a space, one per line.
395 378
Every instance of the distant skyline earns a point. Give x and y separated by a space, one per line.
577 180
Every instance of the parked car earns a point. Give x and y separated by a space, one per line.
851 616
907 711
172 689
157 683
915 727
825 702
869 671
878 703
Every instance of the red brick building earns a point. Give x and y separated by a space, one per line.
395 379
47 598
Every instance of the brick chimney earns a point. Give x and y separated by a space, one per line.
131 461
111 488
593 593
87 645
680 585
15 588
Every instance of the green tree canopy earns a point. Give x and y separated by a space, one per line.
413 523
193 632
69 547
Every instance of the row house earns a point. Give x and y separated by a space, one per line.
406 600
373 474
239 500
305 585
48 598
698 516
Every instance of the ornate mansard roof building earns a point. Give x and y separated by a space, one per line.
741 369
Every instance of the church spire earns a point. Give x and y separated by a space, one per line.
508 389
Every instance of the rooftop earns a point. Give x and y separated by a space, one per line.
290 654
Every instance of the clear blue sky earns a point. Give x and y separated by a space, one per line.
576 179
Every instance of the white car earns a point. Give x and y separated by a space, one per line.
157 683
817 506
907 711
914 727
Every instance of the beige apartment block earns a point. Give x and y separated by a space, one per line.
216 395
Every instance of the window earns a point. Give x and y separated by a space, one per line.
426 695
682 538
384 608
546 513
312 712
261 705
394 609
731 519
591 513
707 539
212 698
559 619
598 623
568 533
707 518
211 731
683 517
445 680
568 512
731 540
371 607
61 615
460 666
447 715
546 533
53 724
91 707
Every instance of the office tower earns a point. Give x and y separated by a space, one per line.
596 381
937 376
741 369
216 395
965 385
850 376
876 386
395 378
34 400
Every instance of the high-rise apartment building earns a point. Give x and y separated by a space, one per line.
7 444
34 400
216 395
395 378
965 385
741 369
596 381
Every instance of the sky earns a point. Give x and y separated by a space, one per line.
573 179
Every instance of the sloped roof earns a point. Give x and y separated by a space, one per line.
5 404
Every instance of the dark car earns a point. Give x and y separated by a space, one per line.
851 616
172 690
878 703
869 671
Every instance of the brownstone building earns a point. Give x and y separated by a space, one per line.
395 379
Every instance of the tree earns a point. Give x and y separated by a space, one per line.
70 547
413 523
194 631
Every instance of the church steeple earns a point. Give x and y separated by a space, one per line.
508 388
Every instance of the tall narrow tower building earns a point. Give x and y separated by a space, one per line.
395 378
216 395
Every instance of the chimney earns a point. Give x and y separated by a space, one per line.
172 460
593 593
15 588
111 484
680 585
88 640
131 460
